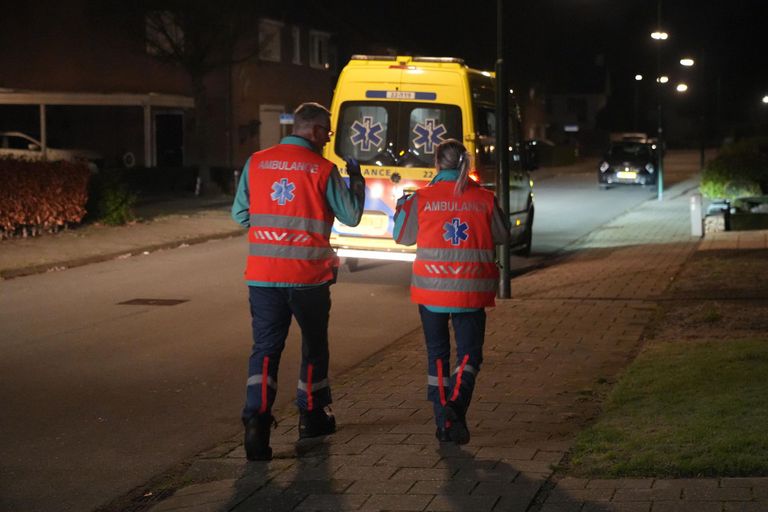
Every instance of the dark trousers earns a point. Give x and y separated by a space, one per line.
445 382
271 312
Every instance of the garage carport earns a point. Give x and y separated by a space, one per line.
148 102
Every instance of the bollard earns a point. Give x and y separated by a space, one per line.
697 219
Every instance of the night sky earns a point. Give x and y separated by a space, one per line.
569 45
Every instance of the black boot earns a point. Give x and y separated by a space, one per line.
456 423
257 430
442 435
316 423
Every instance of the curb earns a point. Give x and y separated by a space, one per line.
87 260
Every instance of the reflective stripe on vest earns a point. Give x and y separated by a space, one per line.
450 285
455 270
291 251
478 255
283 221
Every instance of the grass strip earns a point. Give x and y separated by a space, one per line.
683 410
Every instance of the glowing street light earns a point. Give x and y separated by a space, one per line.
638 77
687 62
681 87
662 79
765 99
659 35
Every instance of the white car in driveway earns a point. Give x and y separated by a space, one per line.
22 146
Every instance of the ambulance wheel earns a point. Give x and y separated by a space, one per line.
527 238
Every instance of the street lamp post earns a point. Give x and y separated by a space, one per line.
636 103
502 148
659 36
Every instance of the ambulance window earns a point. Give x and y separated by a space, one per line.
362 131
486 122
428 127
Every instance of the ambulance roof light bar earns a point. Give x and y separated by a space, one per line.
453 60
373 57
444 60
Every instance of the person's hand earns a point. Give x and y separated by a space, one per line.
353 167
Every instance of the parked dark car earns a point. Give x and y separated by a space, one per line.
628 162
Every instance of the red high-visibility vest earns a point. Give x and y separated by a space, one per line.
455 262
290 219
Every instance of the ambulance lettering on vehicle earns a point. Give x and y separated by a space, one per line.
390 113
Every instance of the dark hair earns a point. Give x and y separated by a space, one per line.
309 114
451 154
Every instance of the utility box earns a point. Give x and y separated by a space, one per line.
697 217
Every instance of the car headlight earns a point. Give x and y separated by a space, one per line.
649 168
604 166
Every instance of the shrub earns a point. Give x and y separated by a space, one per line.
111 200
741 169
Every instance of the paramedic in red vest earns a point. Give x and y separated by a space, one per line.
456 225
288 198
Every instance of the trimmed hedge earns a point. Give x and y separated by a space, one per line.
41 196
741 169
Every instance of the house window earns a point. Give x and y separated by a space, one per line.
269 40
296 40
319 49
163 35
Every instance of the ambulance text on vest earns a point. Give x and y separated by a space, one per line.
454 206
282 165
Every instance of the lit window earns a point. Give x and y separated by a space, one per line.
319 51
269 40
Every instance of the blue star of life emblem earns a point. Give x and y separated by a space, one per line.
455 231
366 133
428 135
282 191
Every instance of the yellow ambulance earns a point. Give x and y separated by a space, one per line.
389 113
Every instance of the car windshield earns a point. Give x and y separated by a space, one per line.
395 133
629 151
14 142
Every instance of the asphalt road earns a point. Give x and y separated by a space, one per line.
98 396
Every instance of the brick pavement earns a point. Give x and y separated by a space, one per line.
549 354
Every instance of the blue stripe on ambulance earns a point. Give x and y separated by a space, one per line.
401 95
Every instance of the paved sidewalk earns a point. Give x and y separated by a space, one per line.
549 354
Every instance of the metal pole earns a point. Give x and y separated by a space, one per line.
659 100
636 105
502 147
43 132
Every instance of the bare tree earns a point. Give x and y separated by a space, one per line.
200 36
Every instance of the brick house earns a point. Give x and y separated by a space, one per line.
74 74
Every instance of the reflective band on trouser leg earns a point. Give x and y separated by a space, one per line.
264 371
457 385
321 388
440 381
309 387
260 393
